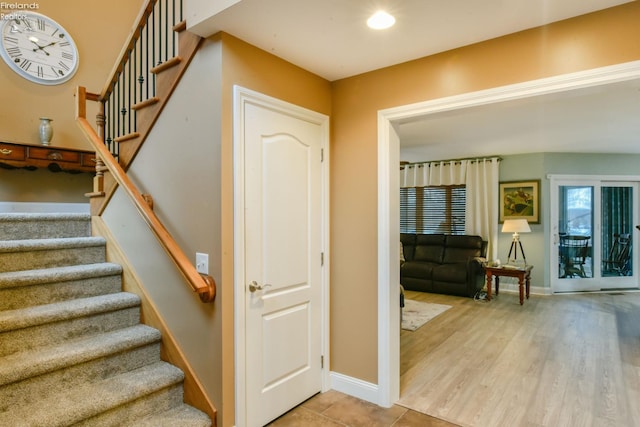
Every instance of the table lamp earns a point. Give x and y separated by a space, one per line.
516 226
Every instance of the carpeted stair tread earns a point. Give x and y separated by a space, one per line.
41 216
80 403
44 225
32 254
183 416
22 365
12 279
65 310
49 244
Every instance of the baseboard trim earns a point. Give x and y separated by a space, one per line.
533 290
354 387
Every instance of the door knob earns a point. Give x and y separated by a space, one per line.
254 286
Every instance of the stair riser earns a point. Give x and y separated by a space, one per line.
122 415
18 230
57 332
35 389
28 296
58 257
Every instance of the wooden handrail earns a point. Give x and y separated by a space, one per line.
203 284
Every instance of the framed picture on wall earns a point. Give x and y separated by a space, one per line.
520 200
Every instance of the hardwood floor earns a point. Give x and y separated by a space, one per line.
570 360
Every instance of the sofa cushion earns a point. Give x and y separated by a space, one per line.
462 248
422 270
408 242
450 273
429 247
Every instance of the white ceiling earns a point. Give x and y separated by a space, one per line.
600 119
330 38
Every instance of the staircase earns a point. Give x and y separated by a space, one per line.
72 349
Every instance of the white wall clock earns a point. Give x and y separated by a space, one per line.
38 48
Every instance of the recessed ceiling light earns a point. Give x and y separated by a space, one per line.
381 20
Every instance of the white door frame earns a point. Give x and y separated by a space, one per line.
388 199
241 96
597 181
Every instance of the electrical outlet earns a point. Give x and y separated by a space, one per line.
202 263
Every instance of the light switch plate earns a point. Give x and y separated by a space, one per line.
202 263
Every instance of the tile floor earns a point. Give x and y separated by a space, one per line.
335 409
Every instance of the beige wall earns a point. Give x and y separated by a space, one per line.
595 40
44 186
99 30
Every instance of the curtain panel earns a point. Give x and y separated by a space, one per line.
480 177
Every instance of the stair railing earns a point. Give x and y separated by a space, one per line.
150 48
151 44
203 284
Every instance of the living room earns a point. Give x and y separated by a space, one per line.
533 344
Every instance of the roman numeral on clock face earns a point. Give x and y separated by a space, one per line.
10 39
14 52
63 65
25 64
41 25
67 55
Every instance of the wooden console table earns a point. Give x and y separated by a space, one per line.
56 159
523 274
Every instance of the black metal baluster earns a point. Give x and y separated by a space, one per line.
123 109
153 49
175 36
167 30
159 35
107 125
129 103
115 117
141 67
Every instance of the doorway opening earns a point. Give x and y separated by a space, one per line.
388 194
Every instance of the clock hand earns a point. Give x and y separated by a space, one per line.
40 47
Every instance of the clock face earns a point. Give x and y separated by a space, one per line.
38 48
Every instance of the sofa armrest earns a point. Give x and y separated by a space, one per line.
481 260
475 274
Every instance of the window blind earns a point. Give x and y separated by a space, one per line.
433 210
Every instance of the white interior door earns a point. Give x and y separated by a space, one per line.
282 260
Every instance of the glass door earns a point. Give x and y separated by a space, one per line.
592 235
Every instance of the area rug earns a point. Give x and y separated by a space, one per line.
417 313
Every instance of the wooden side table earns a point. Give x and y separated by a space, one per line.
523 274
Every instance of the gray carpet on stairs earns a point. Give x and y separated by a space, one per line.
72 349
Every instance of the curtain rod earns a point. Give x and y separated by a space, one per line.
457 161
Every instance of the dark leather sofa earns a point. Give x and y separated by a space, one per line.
443 264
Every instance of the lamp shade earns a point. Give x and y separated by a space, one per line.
516 226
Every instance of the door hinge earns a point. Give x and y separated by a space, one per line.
321 362
321 259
